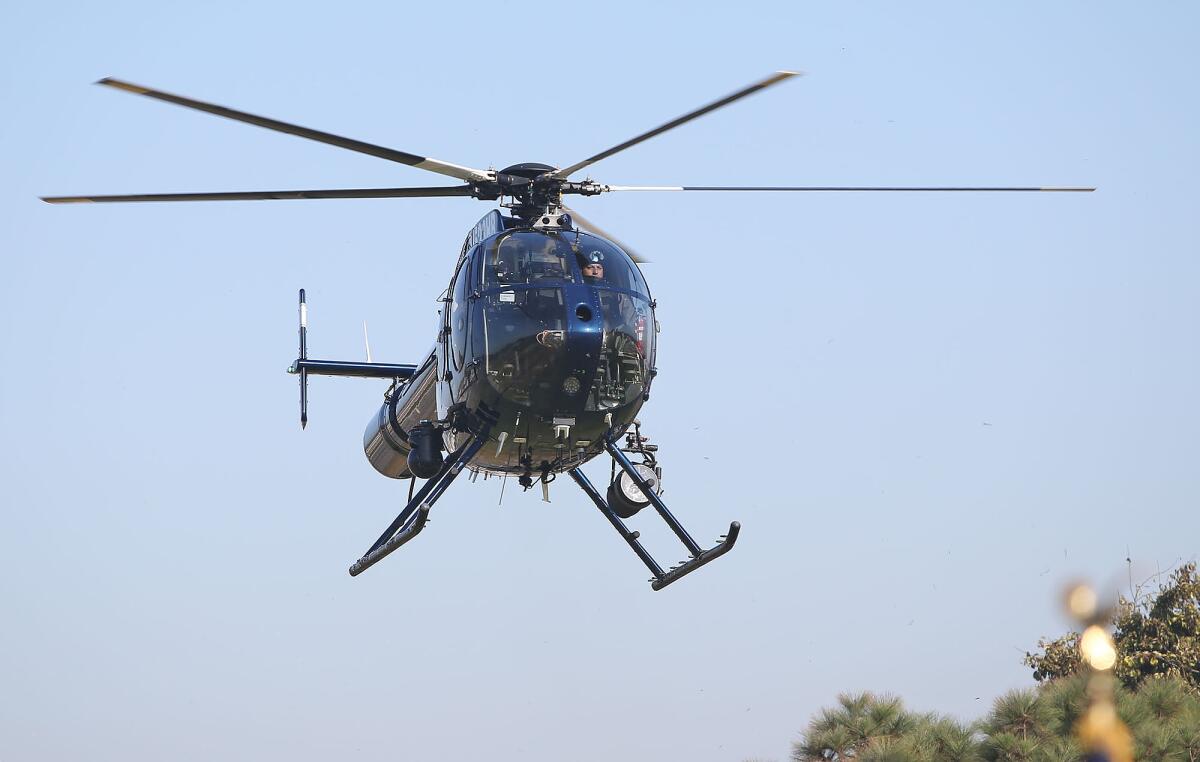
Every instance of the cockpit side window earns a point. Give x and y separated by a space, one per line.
459 328
529 258
615 269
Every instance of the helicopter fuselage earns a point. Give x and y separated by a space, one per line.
544 356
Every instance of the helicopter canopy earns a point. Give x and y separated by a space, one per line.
542 258
534 340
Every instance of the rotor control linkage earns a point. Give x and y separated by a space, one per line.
407 525
699 557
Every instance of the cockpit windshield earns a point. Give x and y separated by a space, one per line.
529 258
566 321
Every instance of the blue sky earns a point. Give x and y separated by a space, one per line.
929 412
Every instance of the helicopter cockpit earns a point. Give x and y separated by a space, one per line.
527 257
554 335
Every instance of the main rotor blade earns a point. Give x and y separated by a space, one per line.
595 229
453 190
420 162
775 78
863 188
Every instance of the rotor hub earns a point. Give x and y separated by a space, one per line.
534 191
528 170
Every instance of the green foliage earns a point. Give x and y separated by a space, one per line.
869 728
1157 696
1020 714
1164 716
1156 635
1065 702
1057 658
1163 637
1035 725
940 739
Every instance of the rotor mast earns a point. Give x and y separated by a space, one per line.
532 192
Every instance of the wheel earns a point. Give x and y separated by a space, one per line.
625 497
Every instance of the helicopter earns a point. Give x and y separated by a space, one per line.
546 338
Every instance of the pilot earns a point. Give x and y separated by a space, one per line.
593 266
620 314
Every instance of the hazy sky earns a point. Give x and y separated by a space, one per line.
927 411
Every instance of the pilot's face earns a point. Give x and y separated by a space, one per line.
593 270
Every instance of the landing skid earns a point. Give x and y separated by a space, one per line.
409 523
413 518
698 557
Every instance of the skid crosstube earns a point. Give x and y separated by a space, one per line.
407 525
699 557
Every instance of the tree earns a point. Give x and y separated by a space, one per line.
1157 696
1032 725
1156 635
868 728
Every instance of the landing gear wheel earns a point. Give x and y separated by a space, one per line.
625 497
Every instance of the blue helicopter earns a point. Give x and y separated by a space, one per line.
545 351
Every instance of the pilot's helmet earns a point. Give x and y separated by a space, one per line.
595 257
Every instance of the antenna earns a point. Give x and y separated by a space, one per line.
367 341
